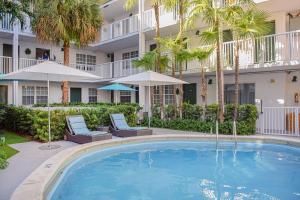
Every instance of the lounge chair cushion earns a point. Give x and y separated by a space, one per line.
121 124
79 127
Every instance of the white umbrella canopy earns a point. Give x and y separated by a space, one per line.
150 78
51 71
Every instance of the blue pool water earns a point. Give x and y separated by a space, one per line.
184 171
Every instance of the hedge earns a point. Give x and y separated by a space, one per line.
197 118
35 121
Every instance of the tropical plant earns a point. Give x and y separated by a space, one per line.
159 66
18 10
67 21
201 54
246 22
213 15
183 6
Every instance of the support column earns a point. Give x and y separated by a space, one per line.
142 50
15 60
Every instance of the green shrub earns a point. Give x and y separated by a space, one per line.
3 160
35 121
197 118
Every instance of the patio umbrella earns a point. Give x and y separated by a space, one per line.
116 87
149 78
50 71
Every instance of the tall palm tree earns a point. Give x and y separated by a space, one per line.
245 24
158 66
67 21
212 14
201 54
18 10
148 62
183 6
173 47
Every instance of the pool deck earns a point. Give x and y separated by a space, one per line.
49 164
25 162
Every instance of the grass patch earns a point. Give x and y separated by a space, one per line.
13 138
9 151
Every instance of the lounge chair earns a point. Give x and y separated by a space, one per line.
120 127
78 132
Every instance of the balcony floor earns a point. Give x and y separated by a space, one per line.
115 44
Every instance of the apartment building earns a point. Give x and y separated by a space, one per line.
270 65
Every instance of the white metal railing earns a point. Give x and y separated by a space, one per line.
279 121
6 24
120 28
166 18
117 69
5 64
267 51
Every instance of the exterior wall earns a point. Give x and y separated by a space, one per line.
276 89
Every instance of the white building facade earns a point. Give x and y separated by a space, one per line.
270 65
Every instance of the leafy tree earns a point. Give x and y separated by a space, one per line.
67 21
213 15
18 10
246 22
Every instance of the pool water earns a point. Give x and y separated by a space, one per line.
184 171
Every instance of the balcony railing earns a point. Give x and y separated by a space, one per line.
120 28
6 24
167 18
106 70
272 50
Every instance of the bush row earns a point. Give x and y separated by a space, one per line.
35 121
202 119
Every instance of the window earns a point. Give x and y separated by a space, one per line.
156 95
27 95
246 93
92 95
128 55
85 62
41 95
125 96
168 95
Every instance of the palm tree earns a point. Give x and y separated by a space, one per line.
18 10
201 54
245 24
212 15
183 6
155 5
173 47
67 21
148 62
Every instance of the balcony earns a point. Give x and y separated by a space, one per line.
264 52
106 70
6 25
119 28
167 18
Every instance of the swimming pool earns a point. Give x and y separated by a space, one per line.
183 170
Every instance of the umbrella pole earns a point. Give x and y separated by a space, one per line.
149 107
49 126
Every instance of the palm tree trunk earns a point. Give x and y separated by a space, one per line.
158 67
220 75
65 97
174 88
203 92
180 38
236 80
